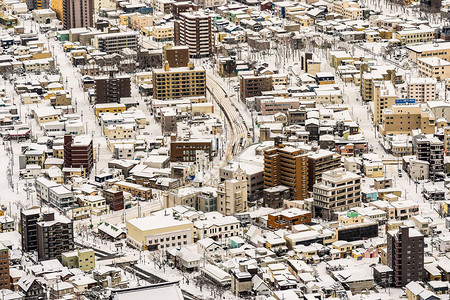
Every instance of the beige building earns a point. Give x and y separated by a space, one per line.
339 190
159 232
232 194
402 119
119 131
441 50
415 36
434 67
422 89
170 83
83 259
348 9
384 96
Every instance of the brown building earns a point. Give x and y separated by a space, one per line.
405 255
169 121
251 85
184 6
185 151
78 152
274 196
286 166
194 29
4 270
176 56
171 83
27 229
114 199
287 218
320 161
77 13
55 236
112 88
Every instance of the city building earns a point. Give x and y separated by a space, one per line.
110 89
320 161
434 67
338 191
170 83
288 218
415 36
405 255
159 232
83 259
194 29
384 96
422 89
176 56
232 194
4 270
28 228
288 166
115 42
186 151
440 50
114 199
78 152
253 85
403 119
430 149
74 13
54 236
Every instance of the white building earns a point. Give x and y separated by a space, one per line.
422 89
217 226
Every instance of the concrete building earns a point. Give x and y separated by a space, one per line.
320 161
434 67
169 83
441 50
339 190
274 197
403 119
431 149
28 228
252 85
109 89
159 232
186 151
42 15
201 198
422 89
255 178
83 259
74 13
176 56
78 152
286 166
384 96
194 29
405 255
415 36
4 270
288 218
54 236
232 194
115 42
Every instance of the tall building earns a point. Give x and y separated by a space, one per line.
74 13
176 56
171 83
232 194
4 270
194 29
28 228
320 161
254 85
431 149
405 255
286 166
78 152
422 89
54 235
338 191
384 96
111 88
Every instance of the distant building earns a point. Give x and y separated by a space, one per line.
54 235
28 227
405 255
116 42
4 270
74 13
176 56
194 29
83 259
78 152
186 151
422 89
111 88
232 194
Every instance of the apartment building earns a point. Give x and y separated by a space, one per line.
255 178
431 149
218 227
114 199
338 191
109 89
120 131
384 96
54 236
83 259
109 108
370 75
253 85
320 161
403 119
176 56
136 190
278 105
415 36
440 50
288 166
434 67
232 194
159 232
348 9
422 89
170 83
27 228
74 14
405 255
78 152
194 30
186 151
115 42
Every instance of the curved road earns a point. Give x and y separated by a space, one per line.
237 137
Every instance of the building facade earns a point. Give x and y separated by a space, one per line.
194 29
